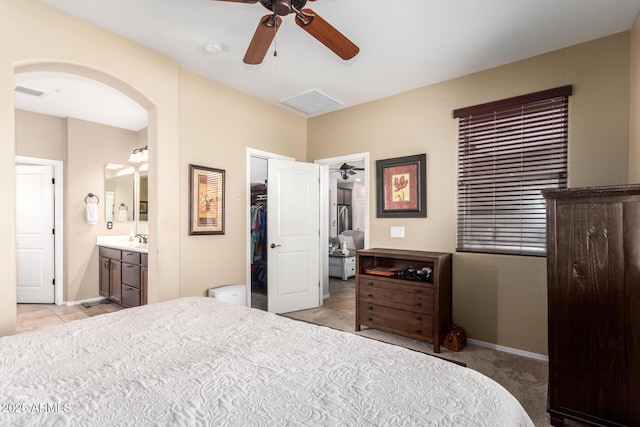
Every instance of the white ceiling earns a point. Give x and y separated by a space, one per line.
404 44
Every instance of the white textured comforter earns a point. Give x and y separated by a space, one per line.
197 361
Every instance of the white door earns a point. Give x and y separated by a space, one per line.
34 234
293 240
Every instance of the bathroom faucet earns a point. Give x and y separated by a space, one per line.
142 238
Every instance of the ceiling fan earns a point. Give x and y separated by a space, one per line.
307 19
347 170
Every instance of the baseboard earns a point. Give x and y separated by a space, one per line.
516 351
90 300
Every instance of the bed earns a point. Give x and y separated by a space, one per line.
198 361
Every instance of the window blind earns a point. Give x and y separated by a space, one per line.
507 152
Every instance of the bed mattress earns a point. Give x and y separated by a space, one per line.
198 361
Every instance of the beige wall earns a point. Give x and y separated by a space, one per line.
217 124
36 37
498 299
634 108
39 135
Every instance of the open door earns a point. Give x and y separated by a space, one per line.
293 236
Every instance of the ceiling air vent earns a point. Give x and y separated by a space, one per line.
311 102
29 91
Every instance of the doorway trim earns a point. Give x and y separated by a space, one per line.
251 152
58 248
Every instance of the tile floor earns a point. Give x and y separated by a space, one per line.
35 316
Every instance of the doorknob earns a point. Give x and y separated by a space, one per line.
273 246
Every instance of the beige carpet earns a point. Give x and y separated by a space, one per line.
524 377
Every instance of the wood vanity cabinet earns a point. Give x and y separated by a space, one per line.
110 274
414 309
593 285
123 276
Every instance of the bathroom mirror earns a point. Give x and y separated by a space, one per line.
119 188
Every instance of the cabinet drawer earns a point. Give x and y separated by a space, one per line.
370 282
130 296
110 253
131 275
131 257
405 322
420 302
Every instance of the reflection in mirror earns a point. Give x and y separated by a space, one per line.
119 192
142 226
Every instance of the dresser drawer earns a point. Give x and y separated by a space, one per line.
131 275
407 322
415 301
370 282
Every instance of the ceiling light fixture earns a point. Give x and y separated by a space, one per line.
139 155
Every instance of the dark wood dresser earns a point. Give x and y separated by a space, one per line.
415 309
593 280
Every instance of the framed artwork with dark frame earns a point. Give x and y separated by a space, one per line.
206 200
401 187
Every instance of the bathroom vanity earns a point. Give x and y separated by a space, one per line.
123 272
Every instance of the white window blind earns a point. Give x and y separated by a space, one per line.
507 152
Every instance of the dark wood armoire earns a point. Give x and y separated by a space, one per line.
593 280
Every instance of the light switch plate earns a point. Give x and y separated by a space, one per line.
397 231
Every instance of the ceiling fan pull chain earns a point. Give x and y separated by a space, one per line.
275 37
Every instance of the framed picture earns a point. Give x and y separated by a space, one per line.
206 200
401 187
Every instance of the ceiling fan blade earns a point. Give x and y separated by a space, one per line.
240 1
326 34
262 39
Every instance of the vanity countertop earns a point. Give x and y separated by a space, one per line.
122 243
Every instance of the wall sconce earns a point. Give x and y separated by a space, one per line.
139 155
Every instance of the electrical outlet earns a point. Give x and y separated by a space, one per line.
397 231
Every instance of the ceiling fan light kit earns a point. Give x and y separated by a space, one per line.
347 170
306 19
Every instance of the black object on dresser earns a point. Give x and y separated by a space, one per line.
408 306
593 281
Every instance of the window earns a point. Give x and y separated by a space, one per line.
507 152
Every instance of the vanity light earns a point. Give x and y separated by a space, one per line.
139 155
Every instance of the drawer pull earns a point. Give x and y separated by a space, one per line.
370 319
370 295
370 283
370 308
418 304
418 291
418 331
419 318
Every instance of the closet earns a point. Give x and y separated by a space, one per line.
258 246
593 282
258 234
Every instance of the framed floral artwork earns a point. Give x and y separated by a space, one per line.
402 187
206 200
